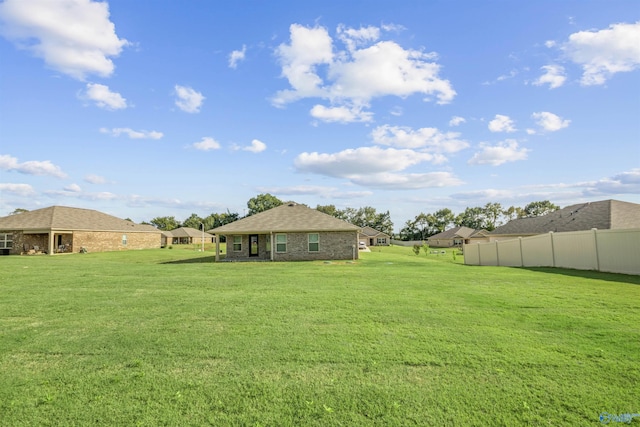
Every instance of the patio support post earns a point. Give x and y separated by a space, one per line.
217 248
52 236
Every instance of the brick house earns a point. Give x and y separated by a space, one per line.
289 232
372 237
58 229
188 235
602 215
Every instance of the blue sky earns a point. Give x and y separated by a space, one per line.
155 108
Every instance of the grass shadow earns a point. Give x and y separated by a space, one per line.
588 274
199 260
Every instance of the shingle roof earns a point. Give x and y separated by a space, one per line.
67 218
289 217
463 232
603 215
371 232
189 232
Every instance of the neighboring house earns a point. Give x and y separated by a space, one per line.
188 235
63 229
453 237
166 239
373 237
603 215
289 232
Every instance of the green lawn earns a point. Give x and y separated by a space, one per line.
167 337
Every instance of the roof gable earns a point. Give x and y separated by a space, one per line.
67 218
189 232
463 232
289 217
371 232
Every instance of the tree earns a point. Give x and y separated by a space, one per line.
512 213
165 223
472 218
442 219
193 221
492 212
410 231
328 209
262 202
19 210
539 208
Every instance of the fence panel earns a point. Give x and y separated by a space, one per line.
576 249
619 251
488 254
472 254
537 251
509 253
615 251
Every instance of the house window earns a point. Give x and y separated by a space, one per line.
281 243
124 240
6 240
237 243
314 242
382 240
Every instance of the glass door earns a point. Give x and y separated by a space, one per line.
253 245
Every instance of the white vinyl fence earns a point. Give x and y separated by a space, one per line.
615 251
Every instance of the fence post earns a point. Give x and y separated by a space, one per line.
553 251
478 249
497 254
521 255
595 241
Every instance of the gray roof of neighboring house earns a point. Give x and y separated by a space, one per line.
603 215
289 217
189 232
463 232
371 232
71 219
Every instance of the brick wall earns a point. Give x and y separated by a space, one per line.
103 241
332 246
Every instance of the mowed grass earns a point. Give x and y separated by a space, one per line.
167 337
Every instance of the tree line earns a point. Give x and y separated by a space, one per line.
488 217
422 226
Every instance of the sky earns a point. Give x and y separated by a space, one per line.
151 108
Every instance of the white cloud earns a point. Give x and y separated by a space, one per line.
456 121
622 183
554 76
314 190
133 134
507 151
425 139
188 100
362 71
237 56
341 114
410 181
603 53
95 179
359 161
32 167
502 124
104 98
23 190
549 121
309 48
74 37
73 188
256 146
353 38
206 144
